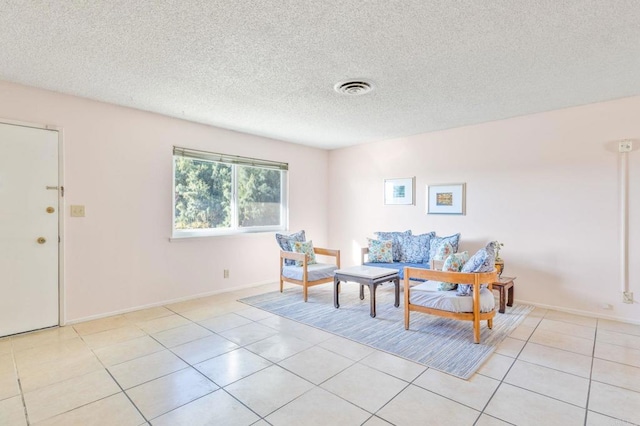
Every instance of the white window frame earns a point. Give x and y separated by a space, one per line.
234 161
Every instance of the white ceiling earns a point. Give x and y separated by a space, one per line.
269 67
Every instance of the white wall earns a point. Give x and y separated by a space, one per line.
546 185
118 163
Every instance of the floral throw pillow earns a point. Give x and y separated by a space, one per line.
380 251
454 263
483 261
415 248
395 238
306 248
286 243
436 241
442 251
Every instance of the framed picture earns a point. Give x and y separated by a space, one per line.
399 191
446 199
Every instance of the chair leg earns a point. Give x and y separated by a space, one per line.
281 284
304 292
406 317
490 323
406 305
476 330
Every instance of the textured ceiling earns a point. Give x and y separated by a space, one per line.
269 67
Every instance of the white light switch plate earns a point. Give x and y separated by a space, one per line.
77 211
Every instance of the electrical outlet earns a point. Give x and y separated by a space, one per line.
627 297
625 146
77 211
226 273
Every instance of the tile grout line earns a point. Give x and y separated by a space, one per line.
164 375
127 396
507 372
22 398
591 380
220 388
593 356
408 383
314 385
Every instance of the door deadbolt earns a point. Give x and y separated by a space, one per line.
41 240
50 210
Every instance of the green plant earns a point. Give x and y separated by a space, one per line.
499 245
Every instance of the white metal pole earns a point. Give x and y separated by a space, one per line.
624 219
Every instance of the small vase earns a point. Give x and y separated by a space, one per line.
499 267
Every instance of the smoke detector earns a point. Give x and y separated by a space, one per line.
353 87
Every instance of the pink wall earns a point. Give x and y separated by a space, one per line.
118 163
546 185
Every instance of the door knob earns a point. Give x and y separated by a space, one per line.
50 210
41 240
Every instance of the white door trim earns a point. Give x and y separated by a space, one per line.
61 209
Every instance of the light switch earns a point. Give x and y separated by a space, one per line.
77 211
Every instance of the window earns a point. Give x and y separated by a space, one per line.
218 194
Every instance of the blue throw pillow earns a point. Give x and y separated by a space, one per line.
436 241
286 243
483 261
395 237
415 248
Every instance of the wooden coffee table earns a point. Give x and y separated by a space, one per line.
370 276
504 284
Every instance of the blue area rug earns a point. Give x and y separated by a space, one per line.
443 344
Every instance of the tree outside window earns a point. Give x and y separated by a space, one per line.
212 197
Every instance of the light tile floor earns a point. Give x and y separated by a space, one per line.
214 361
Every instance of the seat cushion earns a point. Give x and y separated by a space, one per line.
315 272
427 294
399 266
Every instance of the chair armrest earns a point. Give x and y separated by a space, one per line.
291 255
328 252
471 278
452 277
363 252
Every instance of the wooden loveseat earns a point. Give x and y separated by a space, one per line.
421 295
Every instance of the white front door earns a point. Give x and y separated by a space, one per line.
28 228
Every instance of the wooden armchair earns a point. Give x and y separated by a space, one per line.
308 275
425 298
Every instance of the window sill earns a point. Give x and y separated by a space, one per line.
190 236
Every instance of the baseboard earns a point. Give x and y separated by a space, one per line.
228 290
166 302
579 312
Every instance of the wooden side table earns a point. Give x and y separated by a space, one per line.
504 284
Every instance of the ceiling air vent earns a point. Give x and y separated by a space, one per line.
353 87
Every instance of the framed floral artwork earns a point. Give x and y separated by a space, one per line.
446 199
